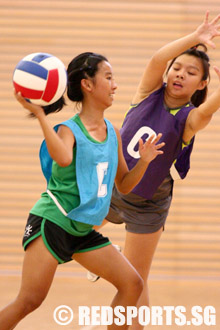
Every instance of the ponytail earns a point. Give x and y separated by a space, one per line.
55 107
199 96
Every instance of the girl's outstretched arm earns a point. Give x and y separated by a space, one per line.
152 78
60 145
126 180
199 118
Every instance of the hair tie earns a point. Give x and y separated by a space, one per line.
86 67
204 48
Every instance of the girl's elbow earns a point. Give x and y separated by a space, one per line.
123 190
64 162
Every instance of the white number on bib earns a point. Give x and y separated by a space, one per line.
134 141
101 172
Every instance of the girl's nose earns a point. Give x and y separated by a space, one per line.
180 75
115 86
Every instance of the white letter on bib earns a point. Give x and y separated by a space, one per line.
134 141
101 171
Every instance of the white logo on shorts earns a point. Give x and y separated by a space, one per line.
28 231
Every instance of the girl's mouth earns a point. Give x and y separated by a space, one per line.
177 85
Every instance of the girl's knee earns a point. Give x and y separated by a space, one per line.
34 303
137 283
29 302
133 284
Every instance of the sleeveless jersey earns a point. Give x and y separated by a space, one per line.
96 167
147 118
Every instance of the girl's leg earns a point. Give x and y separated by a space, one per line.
139 250
111 265
38 271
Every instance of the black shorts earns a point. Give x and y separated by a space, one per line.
60 243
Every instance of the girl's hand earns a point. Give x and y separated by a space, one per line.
59 144
217 70
150 149
33 108
207 31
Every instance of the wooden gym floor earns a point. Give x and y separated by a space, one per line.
71 288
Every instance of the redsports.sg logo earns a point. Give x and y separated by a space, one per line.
119 315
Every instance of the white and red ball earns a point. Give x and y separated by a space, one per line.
41 78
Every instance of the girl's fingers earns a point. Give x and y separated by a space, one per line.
34 108
15 93
160 145
206 20
159 135
154 138
217 70
215 20
141 143
18 96
217 26
151 138
211 44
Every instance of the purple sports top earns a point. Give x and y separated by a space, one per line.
147 118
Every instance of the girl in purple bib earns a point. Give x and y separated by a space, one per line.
178 109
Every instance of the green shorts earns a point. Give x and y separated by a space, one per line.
60 243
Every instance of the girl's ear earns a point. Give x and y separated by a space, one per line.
86 85
202 84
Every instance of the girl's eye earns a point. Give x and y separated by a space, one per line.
175 69
191 73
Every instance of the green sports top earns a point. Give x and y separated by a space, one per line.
64 180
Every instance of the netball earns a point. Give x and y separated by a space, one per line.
41 78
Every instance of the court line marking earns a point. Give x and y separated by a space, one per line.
151 277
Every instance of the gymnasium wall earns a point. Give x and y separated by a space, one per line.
128 33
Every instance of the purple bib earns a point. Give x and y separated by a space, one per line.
147 118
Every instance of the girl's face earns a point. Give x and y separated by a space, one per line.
185 77
103 85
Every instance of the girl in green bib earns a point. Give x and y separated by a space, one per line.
81 159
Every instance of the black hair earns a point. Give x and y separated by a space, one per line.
200 95
81 67
55 107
